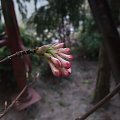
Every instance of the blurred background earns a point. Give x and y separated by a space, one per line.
69 21
43 22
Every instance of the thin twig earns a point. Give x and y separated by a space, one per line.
19 95
18 54
100 103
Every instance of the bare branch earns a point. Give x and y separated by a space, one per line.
100 103
19 95
18 54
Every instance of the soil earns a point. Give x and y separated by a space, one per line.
67 99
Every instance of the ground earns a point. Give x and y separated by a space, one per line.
68 99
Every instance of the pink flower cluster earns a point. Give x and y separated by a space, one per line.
59 59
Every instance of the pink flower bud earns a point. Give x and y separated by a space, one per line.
64 63
68 57
65 72
55 61
69 70
59 45
56 72
64 50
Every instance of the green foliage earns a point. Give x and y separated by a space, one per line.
28 38
90 44
22 7
7 67
89 39
1 28
45 69
6 71
51 15
30 41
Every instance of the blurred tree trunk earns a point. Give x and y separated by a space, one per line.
111 40
103 76
21 65
115 7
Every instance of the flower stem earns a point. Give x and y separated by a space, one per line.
18 54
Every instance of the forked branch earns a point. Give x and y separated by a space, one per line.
100 103
19 95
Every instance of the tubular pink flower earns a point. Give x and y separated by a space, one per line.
69 70
59 45
55 61
64 50
57 58
64 63
68 57
56 72
65 72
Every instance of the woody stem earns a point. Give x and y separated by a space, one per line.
19 54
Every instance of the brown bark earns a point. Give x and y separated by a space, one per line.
103 77
111 39
14 42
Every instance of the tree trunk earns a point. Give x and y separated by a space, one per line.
103 76
111 39
115 7
14 42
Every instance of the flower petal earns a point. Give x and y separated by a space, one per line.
69 70
64 63
68 57
55 61
59 45
64 50
56 72
65 72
